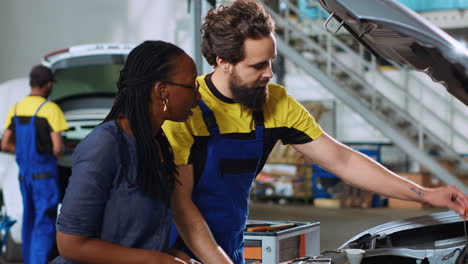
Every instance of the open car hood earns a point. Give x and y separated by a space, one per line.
393 31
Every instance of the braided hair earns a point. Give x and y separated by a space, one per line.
146 64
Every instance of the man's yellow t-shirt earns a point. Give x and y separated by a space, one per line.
285 119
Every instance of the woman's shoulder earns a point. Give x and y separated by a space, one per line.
104 135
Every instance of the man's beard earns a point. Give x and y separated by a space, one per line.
252 96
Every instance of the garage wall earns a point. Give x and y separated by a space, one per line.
30 29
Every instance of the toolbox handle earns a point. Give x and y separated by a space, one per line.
270 228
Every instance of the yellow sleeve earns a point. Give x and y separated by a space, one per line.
56 118
181 140
8 118
288 112
300 119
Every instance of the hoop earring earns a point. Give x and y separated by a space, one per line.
165 102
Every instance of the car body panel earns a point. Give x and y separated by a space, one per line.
437 238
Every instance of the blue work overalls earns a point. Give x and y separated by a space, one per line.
221 194
40 191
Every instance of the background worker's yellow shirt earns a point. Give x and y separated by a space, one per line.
50 118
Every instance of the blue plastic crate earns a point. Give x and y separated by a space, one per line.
312 9
425 5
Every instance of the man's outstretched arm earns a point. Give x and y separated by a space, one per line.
363 172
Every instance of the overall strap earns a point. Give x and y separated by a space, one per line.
14 114
209 117
259 131
43 103
258 118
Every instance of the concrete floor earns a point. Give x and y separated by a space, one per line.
336 225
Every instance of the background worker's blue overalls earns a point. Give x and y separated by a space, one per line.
222 193
39 188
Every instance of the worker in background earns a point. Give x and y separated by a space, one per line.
117 206
33 131
224 145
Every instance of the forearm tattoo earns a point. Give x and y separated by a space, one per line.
419 193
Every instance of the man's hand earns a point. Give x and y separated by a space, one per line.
447 196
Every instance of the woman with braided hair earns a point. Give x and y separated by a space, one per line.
117 206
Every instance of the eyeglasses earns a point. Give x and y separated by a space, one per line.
188 86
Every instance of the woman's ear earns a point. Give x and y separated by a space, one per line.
161 90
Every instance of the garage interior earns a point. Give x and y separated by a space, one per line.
386 110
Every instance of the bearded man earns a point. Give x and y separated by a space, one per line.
240 117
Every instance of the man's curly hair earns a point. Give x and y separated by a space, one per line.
226 27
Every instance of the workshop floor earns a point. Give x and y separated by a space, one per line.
336 225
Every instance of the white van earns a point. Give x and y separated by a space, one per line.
85 86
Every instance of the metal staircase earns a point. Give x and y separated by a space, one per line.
403 114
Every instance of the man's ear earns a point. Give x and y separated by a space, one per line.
48 86
223 64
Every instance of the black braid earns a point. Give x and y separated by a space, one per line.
146 64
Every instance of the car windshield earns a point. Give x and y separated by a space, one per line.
86 80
